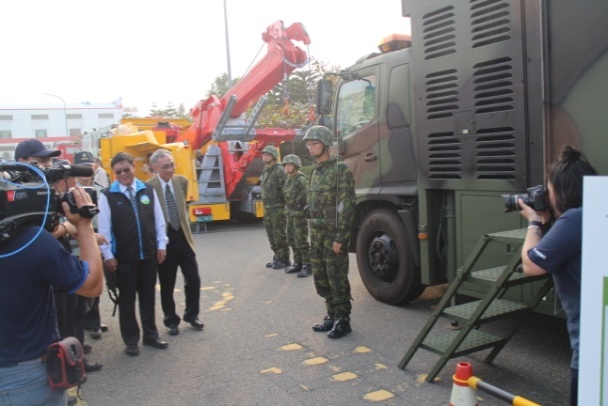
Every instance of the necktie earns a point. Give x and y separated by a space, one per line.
132 198
171 208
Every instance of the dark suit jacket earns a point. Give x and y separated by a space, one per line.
180 187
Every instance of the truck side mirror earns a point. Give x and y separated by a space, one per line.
324 96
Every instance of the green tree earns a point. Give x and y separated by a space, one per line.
182 113
155 111
220 86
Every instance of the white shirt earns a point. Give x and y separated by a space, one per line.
101 177
105 223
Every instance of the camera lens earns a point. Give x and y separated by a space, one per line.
511 203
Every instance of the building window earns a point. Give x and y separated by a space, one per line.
6 126
106 115
40 116
40 133
74 116
75 132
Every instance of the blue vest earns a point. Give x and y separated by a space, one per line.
133 233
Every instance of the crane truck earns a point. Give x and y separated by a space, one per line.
440 124
220 152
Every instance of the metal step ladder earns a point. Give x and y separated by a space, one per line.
491 307
211 185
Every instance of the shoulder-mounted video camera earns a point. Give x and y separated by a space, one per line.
27 196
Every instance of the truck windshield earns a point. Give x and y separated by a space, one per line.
356 105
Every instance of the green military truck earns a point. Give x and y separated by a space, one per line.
438 126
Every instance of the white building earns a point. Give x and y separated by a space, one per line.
53 124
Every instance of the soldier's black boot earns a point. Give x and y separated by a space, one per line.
296 267
280 263
271 263
341 328
326 325
306 271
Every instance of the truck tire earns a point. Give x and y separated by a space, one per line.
384 258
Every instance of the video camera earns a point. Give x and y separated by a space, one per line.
27 195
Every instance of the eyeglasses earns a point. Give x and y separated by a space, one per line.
310 144
119 171
170 165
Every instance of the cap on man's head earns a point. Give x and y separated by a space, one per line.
34 147
84 158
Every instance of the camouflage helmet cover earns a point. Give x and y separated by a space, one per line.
272 151
292 159
321 133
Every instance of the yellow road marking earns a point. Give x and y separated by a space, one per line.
344 376
227 296
378 396
274 370
315 361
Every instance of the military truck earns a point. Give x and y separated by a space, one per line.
439 125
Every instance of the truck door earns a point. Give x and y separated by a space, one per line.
357 130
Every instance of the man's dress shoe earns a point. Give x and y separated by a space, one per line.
132 350
156 343
197 325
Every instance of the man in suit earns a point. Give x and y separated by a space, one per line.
132 222
172 190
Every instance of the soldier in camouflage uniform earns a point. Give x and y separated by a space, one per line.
331 209
297 224
273 179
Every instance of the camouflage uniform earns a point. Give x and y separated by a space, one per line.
273 179
331 201
297 224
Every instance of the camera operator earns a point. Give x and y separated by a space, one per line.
34 151
29 265
558 252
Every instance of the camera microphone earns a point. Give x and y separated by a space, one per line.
79 170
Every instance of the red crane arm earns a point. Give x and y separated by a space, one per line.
282 58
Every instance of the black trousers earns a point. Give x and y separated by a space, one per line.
93 317
179 254
137 280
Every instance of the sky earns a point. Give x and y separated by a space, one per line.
160 52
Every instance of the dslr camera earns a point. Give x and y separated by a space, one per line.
536 198
26 197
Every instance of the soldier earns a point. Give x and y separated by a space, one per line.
331 206
273 179
297 224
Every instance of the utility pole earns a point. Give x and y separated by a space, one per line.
65 113
227 46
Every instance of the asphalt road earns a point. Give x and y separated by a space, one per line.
258 347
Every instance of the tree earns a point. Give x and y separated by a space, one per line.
169 111
220 86
182 113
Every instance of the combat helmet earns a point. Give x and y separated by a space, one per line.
321 133
292 159
272 151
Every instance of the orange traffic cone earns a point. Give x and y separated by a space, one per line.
462 393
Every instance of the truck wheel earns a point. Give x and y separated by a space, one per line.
384 258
